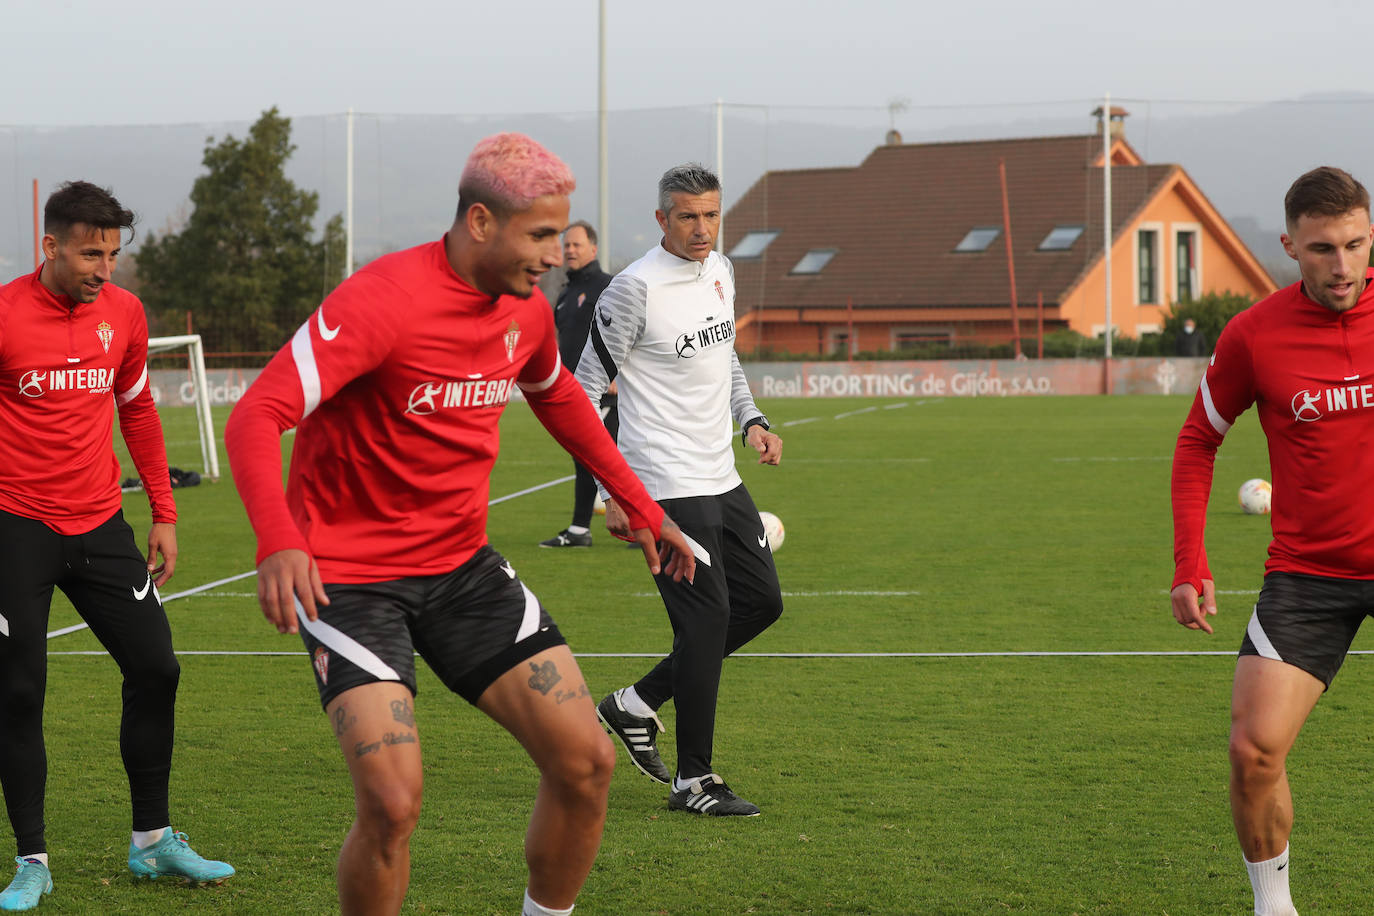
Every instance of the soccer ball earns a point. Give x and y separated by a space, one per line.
1255 496
599 507
772 527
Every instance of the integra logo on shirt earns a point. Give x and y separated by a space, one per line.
35 383
427 397
1310 406
688 344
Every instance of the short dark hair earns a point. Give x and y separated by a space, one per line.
585 227
1325 191
691 178
80 202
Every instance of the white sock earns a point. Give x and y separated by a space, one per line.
1270 882
679 783
37 857
577 529
142 839
537 909
634 705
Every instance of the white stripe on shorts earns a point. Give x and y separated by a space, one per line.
1263 646
347 646
530 624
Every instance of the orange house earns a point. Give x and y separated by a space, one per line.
911 246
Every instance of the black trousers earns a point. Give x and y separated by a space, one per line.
584 485
733 600
106 578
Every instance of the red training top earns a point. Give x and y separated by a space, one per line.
63 364
1311 371
395 385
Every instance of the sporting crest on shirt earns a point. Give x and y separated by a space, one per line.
106 334
322 664
720 291
581 298
512 338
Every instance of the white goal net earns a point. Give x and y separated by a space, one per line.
195 360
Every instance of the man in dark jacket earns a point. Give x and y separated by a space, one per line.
1189 342
572 315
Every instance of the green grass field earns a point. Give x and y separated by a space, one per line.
941 783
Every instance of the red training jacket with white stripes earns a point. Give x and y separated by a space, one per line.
395 386
63 366
1310 371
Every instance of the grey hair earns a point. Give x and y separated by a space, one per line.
692 178
585 227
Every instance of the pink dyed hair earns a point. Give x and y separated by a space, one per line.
506 172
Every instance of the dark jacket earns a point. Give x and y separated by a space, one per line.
1194 344
572 313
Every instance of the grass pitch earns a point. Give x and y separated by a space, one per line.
921 776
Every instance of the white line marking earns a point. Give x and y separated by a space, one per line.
535 489
841 592
858 460
801 421
209 585
190 591
838 655
1225 591
854 413
900 406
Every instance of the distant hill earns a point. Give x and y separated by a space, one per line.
406 167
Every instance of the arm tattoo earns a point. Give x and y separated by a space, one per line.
391 738
362 750
402 712
544 677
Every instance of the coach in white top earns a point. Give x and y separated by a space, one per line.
664 331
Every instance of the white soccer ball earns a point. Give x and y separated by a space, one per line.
1255 496
772 527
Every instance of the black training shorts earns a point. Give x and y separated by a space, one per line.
1308 621
471 626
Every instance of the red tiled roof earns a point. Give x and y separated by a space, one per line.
896 218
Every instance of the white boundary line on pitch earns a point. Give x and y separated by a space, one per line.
190 591
492 502
209 585
838 655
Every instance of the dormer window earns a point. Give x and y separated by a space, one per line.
1061 238
978 238
814 261
753 244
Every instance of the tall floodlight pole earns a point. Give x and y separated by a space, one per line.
603 151
720 163
348 197
1107 211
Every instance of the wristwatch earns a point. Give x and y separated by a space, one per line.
760 420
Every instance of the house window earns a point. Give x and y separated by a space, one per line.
1147 267
1185 265
753 244
814 261
978 238
839 343
1061 238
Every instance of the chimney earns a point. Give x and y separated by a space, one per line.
1117 124
893 138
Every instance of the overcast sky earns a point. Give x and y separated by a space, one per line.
158 61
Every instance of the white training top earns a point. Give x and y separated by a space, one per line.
664 331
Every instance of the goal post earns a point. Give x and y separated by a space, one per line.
195 353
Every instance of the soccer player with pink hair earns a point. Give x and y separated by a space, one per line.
378 548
